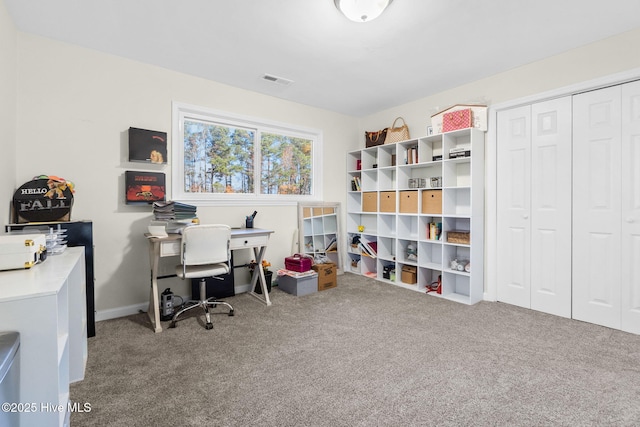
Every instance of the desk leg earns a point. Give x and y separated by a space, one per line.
258 273
153 311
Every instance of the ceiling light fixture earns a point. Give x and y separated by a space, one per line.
362 10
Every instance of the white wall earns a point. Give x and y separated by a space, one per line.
8 98
605 60
74 109
608 56
75 105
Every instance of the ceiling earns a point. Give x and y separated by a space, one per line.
415 49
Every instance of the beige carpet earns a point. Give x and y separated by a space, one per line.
362 354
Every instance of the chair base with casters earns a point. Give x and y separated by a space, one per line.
203 303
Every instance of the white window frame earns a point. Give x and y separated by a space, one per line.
181 111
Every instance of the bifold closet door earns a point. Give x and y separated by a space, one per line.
551 207
606 241
630 257
514 206
597 192
534 206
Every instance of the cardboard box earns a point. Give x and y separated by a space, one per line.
409 274
409 202
370 201
327 278
432 201
298 286
387 201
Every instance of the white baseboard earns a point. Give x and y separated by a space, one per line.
115 313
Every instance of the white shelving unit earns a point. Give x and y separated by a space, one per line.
46 305
320 231
391 202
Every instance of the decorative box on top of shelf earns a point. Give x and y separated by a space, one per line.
478 115
413 194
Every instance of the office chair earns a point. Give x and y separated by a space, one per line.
204 253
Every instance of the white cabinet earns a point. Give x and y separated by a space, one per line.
606 174
46 305
398 221
534 206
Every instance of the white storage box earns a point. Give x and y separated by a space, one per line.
19 251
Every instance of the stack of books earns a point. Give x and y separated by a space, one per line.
173 211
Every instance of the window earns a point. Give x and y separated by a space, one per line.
222 157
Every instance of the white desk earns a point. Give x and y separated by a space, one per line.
245 238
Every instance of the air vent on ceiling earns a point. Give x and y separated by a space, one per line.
276 79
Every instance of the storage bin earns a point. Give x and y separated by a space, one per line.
9 376
299 286
409 274
409 202
432 201
370 201
462 237
388 201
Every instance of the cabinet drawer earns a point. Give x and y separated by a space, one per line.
248 242
170 248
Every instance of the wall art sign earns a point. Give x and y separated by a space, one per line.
147 146
144 187
43 199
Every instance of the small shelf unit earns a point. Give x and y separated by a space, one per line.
420 204
320 231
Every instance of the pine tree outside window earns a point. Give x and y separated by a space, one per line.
219 157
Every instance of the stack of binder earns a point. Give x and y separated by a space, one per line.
173 211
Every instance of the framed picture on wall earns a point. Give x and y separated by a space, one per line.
144 187
147 146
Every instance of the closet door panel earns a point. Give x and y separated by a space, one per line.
551 207
596 207
630 146
514 227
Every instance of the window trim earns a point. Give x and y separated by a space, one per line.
180 111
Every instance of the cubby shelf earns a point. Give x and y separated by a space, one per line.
320 229
409 196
